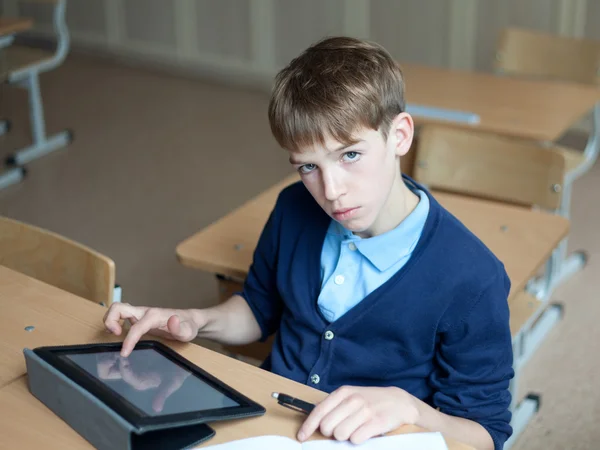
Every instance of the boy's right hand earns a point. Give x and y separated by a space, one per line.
176 324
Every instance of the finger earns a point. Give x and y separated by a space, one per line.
133 320
150 321
346 427
111 316
348 407
372 428
313 420
111 329
181 330
118 312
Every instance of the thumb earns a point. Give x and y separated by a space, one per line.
184 330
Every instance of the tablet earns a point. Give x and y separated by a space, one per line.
151 388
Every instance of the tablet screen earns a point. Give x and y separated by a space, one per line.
151 382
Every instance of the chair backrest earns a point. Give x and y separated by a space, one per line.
20 61
490 166
56 260
536 54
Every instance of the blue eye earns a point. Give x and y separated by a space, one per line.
351 156
307 168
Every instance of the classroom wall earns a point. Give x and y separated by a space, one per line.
248 40
255 37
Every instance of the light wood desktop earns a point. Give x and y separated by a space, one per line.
63 318
534 109
57 316
522 238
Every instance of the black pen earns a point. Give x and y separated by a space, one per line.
293 403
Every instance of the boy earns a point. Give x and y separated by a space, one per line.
378 295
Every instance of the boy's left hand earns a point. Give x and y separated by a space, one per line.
359 413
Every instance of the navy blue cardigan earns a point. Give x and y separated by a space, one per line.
438 329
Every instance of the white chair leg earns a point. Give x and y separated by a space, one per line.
564 266
117 294
4 126
522 415
28 77
42 145
11 176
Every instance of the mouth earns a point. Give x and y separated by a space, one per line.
344 214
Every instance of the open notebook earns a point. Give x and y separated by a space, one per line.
412 441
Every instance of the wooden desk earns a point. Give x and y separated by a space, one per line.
26 302
534 109
521 238
12 25
61 318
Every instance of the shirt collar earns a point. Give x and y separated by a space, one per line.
385 250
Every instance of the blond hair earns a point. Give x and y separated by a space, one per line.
331 90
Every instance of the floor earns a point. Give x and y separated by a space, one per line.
158 157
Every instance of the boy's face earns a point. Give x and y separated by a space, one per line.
358 185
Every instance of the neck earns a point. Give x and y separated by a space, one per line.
399 204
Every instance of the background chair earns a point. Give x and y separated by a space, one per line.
21 66
58 261
464 161
486 165
532 54
491 166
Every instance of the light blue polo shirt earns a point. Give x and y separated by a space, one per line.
352 267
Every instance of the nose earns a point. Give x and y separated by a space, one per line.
333 186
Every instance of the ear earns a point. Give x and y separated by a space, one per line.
401 133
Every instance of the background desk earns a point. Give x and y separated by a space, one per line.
58 318
523 239
62 318
506 105
12 25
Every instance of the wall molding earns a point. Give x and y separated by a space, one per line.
262 34
134 53
463 34
572 17
206 65
10 8
185 27
357 18
115 21
571 22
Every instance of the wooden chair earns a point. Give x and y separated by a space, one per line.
534 54
527 173
21 66
491 166
499 168
58 261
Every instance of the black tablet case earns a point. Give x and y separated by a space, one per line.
96 422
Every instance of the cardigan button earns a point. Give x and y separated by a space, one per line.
329 335
315 379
